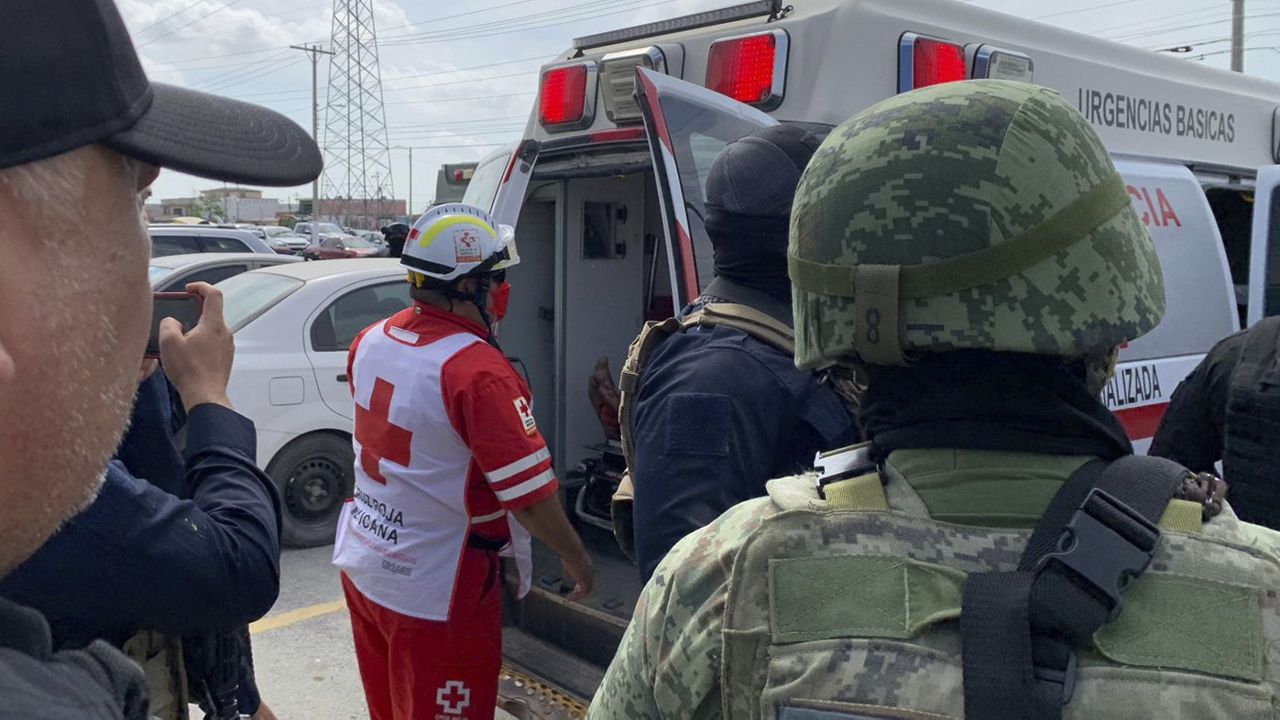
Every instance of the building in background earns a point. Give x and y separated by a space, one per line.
232 205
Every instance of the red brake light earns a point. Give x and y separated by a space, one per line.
457 176
935 62
747 68
563 96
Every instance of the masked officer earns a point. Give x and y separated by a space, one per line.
968 249
395 234
450 471
720 409
1228 410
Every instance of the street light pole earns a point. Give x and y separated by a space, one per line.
315 52
409 202
1237 36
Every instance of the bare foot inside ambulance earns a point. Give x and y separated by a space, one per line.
198 363
546 521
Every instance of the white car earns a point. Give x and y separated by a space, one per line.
171 273
293 324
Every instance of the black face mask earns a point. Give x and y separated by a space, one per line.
751 251
984 400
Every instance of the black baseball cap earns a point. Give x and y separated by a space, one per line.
69 77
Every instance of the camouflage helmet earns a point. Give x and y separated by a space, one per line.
982 214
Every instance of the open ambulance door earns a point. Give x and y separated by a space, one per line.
1264 270
688 125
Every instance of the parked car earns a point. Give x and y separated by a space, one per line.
293 325
373 237
331 247
171 273
187 239
324 228
285 241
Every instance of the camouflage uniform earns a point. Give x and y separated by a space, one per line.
981 215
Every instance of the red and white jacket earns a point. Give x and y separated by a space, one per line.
445 445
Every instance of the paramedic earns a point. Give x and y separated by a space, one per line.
84 132
1228 410
450 471
971 248
719 412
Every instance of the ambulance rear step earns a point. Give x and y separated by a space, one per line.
525 691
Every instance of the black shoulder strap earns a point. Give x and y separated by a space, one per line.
1021 629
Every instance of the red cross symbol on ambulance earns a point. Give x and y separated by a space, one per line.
454 697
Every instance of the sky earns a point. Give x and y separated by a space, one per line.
460 77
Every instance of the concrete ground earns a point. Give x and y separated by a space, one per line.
303 655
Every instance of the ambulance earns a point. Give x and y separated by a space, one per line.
606 193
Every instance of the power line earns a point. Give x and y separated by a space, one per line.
167 17
1085 9
193 22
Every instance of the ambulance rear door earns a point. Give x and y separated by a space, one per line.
1200 301
500 181
687 126
1264 271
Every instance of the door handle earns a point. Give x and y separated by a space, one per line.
342 377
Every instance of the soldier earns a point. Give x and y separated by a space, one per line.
969 250
1228 409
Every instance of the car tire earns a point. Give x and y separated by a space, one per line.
315 476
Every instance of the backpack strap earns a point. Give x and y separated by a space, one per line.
1020 629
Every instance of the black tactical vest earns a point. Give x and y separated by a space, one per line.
1251 448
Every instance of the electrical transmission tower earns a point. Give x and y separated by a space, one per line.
357 159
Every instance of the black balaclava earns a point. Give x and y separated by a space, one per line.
395 235
749 192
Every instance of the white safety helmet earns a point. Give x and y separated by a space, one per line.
454 240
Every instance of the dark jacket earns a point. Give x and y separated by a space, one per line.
718 413
142 557
97 683
1228 410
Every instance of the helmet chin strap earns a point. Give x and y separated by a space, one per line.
479 298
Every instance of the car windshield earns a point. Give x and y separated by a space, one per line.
355 242
155 272
274 231
329 228
250 294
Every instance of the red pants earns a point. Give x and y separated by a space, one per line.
415 669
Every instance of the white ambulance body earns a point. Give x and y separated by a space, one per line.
607 207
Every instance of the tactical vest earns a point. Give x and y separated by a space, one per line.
1251 447
738 317
849 608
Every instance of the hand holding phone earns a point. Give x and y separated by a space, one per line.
181 306
198 361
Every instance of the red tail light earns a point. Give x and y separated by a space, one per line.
750 69
925 61
567 96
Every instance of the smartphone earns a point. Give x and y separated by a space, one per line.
181 306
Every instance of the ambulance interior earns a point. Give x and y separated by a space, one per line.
1232 206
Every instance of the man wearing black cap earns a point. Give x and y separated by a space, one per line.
84 132
395 235
719 411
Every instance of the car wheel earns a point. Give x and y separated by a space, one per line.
315 477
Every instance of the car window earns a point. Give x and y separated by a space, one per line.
328 242
162 245
211 275
356 242
222 243
336 327
485 181
155 272
249 295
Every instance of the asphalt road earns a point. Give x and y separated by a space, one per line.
303 655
